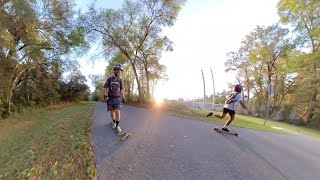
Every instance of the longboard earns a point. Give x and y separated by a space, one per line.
230 132
123 135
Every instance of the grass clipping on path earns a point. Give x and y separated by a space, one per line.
181 110
53 143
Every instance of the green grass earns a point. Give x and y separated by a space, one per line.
52 143
242 121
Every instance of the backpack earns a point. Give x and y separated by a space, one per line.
231 98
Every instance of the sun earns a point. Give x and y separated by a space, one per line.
159 96
158 100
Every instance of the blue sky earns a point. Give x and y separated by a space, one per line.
205 31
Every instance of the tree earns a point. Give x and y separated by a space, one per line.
98 82
220 97
260 57
127 30
33 33
238 62
76 89
304 17
149 56
37 87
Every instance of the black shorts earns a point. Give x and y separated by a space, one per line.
114 103
230 112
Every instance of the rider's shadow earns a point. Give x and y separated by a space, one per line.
105 143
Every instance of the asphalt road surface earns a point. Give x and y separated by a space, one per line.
167 147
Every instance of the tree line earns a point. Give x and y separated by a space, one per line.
37 40
40 41
287 56
132 36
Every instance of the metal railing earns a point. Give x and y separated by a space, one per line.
208 106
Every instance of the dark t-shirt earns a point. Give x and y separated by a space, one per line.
115 86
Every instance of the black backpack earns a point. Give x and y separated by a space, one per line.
231 98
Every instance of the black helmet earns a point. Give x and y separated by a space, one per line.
118 66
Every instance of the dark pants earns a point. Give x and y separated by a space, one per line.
114 103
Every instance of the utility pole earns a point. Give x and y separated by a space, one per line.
204 92
214 91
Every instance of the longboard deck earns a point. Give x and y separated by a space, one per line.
221 131
123 135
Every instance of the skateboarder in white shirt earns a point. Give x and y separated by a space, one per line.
230 106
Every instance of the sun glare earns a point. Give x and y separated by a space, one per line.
159 100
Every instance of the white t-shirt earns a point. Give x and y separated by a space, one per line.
236 100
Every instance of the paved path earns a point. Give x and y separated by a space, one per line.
166 147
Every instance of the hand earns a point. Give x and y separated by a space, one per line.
106 97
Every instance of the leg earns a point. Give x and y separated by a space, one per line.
113 115
111 109
232 116
117 112
117 116
113 118
221 116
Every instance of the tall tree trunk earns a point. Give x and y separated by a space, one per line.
132 86
275 95
137 81
268 94
259 101
147 79
311 107
10 89
313 101
248 84
128 86
148 85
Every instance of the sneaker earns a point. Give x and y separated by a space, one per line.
210 114
225 129
119 129
113 125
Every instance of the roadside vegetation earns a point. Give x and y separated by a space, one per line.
51 143
38 67
181 110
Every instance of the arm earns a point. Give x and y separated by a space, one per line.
245 107
122 96
122 92
105 91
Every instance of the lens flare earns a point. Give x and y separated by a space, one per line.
158 100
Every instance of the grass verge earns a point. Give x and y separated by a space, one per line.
242 121
52 143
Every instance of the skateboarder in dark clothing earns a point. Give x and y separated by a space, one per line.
113 93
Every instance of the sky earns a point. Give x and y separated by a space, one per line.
205 31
